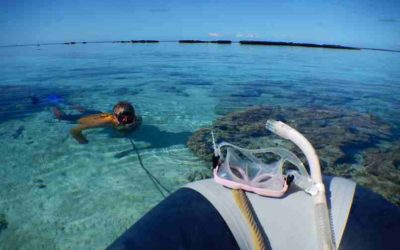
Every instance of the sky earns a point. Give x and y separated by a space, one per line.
362 23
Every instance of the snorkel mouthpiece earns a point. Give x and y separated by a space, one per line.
217 151
279 128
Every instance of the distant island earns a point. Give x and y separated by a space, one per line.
122 41
137 41
309 45
200 41
189 41
192 41
268 43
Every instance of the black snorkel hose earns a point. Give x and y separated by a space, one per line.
154 179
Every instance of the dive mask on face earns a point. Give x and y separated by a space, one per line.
125 117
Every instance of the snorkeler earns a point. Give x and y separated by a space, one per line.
123 119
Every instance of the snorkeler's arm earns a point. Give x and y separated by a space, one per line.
92 121
77 133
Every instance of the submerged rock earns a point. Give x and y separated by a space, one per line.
348 143
3 222
18 132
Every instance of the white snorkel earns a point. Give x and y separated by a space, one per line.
216 149
324 228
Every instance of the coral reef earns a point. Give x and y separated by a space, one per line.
349 144
381 171
179 91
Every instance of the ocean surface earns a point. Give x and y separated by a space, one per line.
58 194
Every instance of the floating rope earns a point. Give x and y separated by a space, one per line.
245 206
154 179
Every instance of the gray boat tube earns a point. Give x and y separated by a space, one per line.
287 222
203 215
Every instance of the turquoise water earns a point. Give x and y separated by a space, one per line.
58 194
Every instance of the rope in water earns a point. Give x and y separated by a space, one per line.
244 205
154 179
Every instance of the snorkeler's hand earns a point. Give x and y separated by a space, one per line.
77 134
81 139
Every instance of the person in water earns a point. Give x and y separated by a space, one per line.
123 119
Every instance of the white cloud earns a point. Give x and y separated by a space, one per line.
247 35
214 34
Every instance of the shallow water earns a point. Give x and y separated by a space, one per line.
58 194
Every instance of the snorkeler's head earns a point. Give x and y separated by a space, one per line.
124 112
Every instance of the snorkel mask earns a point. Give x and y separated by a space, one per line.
125 115
247 169
243 169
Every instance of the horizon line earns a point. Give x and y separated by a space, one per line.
294 44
